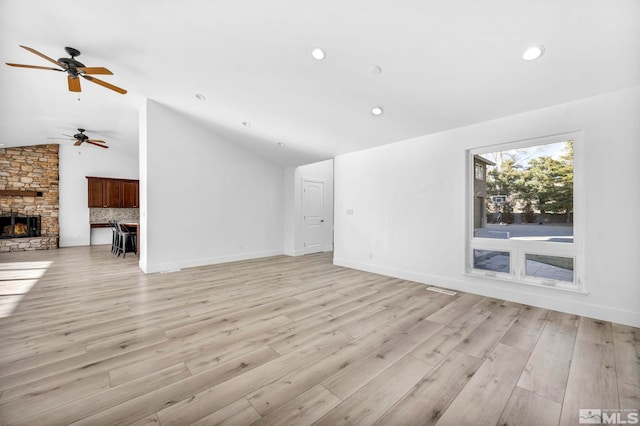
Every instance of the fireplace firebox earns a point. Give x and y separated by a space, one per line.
16 225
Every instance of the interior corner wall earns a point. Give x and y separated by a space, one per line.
401 208
205 200
75 164
143 142
289 212
294 222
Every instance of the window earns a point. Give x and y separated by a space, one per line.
522 223
549 267
491 260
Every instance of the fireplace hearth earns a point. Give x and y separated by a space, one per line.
16 225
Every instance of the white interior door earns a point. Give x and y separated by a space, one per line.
313 214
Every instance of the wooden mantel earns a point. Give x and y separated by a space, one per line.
14 193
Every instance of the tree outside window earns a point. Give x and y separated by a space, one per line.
534 185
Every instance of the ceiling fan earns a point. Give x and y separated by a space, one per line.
74 69
81 138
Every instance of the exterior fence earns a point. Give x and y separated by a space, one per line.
540 218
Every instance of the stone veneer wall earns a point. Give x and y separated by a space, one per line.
31 168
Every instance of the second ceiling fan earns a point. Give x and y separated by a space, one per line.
74 70
81 138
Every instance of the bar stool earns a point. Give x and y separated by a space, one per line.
126 240
114 237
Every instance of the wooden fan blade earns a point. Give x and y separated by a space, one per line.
43 56
65 139
74 84
78 143
33 66
95 70
95 140
69 136
104 84
96 144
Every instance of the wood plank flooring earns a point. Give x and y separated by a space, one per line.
87 339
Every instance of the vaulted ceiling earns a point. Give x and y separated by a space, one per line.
430 65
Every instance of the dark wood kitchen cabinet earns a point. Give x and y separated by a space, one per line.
96 193
129 193
112 193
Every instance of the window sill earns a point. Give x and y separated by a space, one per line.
508 279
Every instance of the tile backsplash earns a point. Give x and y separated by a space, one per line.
105 215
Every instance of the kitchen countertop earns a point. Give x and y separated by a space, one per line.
106 224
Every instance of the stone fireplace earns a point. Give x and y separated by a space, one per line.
29 198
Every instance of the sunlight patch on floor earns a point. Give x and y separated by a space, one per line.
16 280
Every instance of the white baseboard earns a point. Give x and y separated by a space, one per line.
301 252
72 242
293 253
533 296
192 263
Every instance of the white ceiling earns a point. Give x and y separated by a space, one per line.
444 65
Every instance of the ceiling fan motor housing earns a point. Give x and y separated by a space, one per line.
81 136
72 66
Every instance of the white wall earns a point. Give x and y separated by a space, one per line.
289 212
203 199
409 206
75 164
293 221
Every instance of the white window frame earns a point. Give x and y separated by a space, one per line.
517 249
482 170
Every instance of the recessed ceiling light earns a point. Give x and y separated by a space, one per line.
281 144
375 70
534 52
200 97
318 53
246 124
377 110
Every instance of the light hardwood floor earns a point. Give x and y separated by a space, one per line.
289 341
